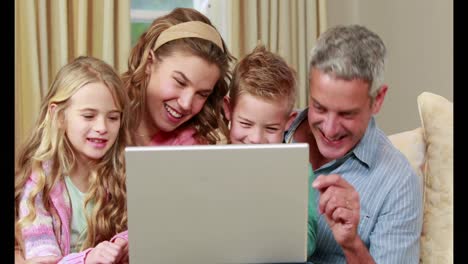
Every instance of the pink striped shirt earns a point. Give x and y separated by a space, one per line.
49 233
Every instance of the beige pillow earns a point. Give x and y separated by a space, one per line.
436 115
411 144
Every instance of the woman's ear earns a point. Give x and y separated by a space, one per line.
150 61
227 107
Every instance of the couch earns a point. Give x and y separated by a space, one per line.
429 148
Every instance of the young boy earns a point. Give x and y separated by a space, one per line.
260 108
262 93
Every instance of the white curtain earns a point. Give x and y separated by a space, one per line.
50 33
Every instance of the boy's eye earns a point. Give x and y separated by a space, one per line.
272 129
114 118
88 116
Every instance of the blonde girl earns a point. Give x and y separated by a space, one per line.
70 198
178 74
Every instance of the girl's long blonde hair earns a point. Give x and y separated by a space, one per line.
210 121
48 153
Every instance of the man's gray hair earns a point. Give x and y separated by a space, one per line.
351 52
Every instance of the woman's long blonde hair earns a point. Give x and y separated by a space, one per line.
210 121
48 153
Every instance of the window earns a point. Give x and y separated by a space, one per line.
143 12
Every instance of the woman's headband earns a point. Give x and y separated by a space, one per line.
192 29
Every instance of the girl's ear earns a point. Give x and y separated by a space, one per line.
227 107
52 112
52 108
149 63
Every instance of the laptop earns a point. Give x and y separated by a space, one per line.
218 203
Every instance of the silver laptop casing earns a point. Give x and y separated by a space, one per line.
218 203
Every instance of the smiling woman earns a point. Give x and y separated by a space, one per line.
177 77
178 88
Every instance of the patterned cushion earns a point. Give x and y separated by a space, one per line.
436 115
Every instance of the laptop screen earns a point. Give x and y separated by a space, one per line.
218 203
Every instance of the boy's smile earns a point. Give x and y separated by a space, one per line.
258 121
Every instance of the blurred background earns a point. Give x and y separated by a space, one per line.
418 35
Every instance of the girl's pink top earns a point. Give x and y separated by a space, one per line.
49 232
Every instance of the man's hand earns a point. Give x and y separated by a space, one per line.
339 202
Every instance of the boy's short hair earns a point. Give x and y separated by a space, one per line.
265 75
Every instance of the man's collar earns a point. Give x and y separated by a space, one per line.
366 148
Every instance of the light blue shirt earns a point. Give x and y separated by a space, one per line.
390 196
79 225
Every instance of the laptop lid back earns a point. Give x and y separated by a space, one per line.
217 204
